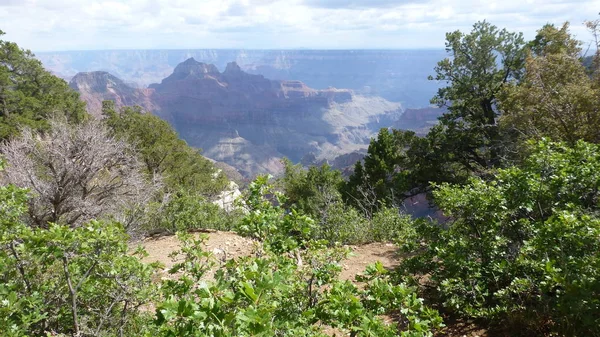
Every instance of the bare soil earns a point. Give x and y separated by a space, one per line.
364 255
224 246
228 245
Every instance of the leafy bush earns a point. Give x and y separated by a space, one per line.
524 247
342 224
311 191
316 193
389 224
290 288
345 225
187 211
268 222
79 281
250 296
284 293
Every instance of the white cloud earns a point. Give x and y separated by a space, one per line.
132 24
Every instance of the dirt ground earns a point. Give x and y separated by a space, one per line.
228 245
224 245
364 255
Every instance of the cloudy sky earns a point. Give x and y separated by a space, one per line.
49 25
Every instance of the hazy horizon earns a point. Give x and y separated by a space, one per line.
237 49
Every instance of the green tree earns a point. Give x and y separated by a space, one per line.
376 178
310 191
593 62
398 165
466 140
383 175
29 94
163 152
480 64
556 98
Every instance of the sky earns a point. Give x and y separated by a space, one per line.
53 25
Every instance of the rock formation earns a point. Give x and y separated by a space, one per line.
97 86
251 122
419 120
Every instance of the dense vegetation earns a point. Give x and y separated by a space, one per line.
29 94
513 169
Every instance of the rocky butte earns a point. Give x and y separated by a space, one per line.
97 86
246 120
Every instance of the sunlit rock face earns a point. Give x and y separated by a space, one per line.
97 86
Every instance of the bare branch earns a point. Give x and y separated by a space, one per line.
76 173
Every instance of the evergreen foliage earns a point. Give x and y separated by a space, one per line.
163 152
556 98
398 165
29 94
481 63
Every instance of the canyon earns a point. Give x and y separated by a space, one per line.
246 120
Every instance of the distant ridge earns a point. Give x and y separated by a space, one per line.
397 75
97 86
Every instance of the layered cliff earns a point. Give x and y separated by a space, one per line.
251 122
97 86
419 120
198 92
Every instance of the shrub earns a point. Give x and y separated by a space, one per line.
185 211
79 281
76 174
279 292
389 224
524 247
